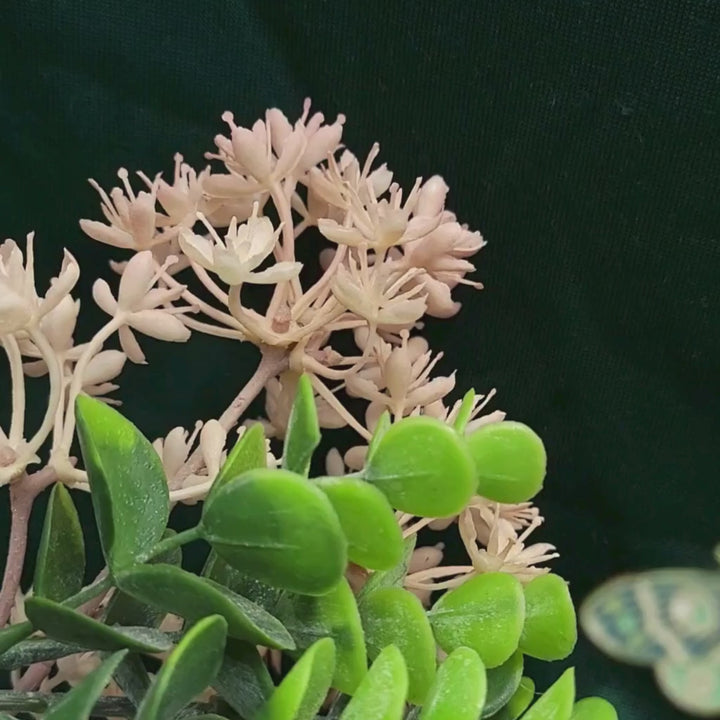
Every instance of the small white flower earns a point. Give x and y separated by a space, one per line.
236 259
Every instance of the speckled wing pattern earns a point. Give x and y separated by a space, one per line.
668 619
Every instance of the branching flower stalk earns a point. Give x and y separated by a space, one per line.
191 246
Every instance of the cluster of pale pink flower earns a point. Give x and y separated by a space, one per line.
390 258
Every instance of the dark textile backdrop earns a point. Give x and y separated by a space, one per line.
581 138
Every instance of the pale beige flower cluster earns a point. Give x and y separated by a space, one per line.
194 243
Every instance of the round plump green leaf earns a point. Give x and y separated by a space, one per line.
127 482
278 528
13 634
187 671
394 616
79 702
334 615
381 695
423 467
550 630
593 708
67 625
177 591
519 702
503 684
303 430
373 535
485 613
556 703
248 453
303 690
459 690
60 566
510 461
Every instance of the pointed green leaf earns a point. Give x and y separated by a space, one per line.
423 466
334 615
550 630
303 690
13 634
182 593
395 576
502 684
485 613
303 430
79 702
360 506
381 427
67 625
459 690
278 528
394 616
188 670
381 695
60 566
248 453
593 708
519 702
125 610
127 482
465 412
36 649
556 703
132 678
243 680
510 461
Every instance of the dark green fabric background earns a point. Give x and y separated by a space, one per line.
581 138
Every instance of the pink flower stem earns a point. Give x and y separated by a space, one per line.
23 492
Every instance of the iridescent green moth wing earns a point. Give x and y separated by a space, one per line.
668 619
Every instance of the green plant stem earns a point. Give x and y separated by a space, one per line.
35 702
172 542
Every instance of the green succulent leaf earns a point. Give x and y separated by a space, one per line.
503 682
459 689
188 670
67 625
393 577
394 616
243 680
279 528
127 482
60 566
248 453
557 702
381 427
359 507
303 430
510 461
485 613
334 615
593 708
13 634
177 591
382 693
266 596
132 678
465 412
79 702
550 630
126 610
519 702
423 466
36 649
303 690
